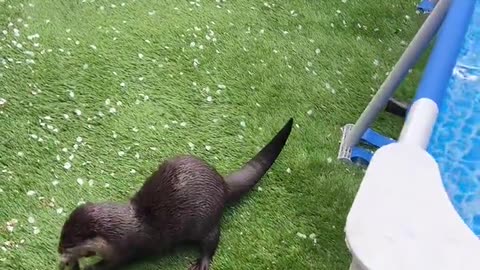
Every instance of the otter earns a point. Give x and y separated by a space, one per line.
181 202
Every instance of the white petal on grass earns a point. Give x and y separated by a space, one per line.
90 182
112 110
329 160
301 235
11 224
31 220
191 145
59 210
31 193
208 147
78 112
289 170
29 53
36 230
243 124
2 101
209 99
55 183
79 139
137 155
140 55
121 153
67 165
310 112
80 181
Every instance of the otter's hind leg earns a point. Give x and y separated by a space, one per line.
208 247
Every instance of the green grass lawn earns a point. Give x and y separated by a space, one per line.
95 94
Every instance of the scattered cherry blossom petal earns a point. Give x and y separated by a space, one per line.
80 181
31 220
67 165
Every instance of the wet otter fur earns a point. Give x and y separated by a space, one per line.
182 202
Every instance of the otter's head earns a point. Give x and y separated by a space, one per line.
78 228
77 231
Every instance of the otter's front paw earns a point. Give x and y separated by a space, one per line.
200 265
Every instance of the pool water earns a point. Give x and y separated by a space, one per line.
455 142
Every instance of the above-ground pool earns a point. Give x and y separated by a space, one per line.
455 141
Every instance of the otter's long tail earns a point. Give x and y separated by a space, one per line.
243 180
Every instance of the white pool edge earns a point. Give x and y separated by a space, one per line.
402 217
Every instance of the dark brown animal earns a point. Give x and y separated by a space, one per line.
182 202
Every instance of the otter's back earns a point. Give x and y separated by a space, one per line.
183 197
